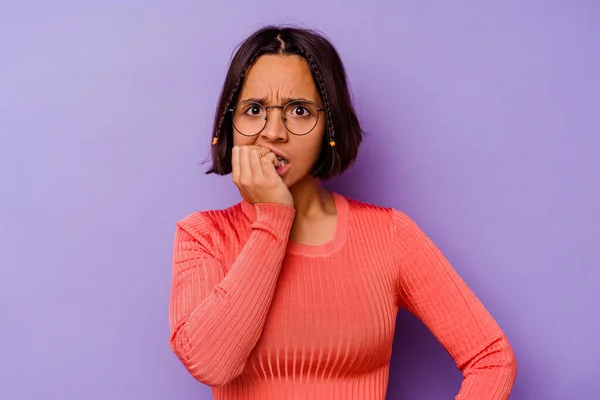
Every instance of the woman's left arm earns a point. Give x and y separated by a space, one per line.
431 289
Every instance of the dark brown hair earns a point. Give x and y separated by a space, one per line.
328 72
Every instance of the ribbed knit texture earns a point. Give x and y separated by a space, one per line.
257 316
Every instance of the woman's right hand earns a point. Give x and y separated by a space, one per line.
255 176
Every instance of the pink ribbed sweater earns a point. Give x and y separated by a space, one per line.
257 316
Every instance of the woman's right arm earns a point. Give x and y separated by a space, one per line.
216 317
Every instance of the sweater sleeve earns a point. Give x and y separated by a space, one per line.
216 313
431 290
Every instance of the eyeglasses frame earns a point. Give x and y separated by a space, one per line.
283 119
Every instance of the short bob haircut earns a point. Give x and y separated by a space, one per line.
342 125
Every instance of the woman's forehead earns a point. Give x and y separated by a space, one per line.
283 76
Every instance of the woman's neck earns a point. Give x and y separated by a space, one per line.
310 199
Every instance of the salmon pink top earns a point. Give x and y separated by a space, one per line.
257 316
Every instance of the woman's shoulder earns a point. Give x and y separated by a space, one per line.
367 209
210 222
379 213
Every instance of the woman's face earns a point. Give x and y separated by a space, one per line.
275 80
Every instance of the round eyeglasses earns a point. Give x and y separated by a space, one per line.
299 117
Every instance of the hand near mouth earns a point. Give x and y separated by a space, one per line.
256 173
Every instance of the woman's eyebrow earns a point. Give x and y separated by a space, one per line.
284 100
254 100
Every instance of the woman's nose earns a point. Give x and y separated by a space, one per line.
275 129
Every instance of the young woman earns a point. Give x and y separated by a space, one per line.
293 292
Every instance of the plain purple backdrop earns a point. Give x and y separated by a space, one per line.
483 122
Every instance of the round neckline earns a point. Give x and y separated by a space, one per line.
325 249
339 237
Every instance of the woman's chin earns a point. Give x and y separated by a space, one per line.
292 181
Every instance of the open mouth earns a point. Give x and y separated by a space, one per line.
281 162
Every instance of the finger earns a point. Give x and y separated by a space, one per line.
268 165
235 164
255 164
257 147
245 171
263 151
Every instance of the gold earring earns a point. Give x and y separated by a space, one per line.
215 140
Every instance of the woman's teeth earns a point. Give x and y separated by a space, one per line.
282 161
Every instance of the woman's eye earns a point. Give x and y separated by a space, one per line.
253 110
300 111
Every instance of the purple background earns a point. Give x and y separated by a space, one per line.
483 123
